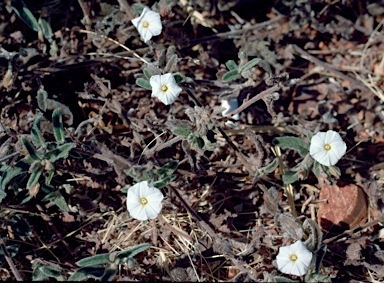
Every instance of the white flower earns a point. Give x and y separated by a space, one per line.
165 88
294 259
144 201
148 24
327 148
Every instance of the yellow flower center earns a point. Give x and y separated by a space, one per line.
293 257
143 201
164 88
145 24
327 147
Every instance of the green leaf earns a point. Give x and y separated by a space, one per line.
249 65
292 143
290 177
42 99
94 260
147 74
185 132
171 64
231 75
138 9
25 14
131 252
57 198
32 151
36 136
53 48
164 181
99 272
179 78
61 151
46 28
278 279
20 226
34 177
231 65
143 83
270 167
319 257
50 271
58 129
316 169
9 173
2 195
168 168
200 142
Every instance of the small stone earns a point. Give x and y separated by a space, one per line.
346 208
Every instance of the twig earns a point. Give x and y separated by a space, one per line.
229 141
126 8
87 19
222 245
234 32
161 146
48 219
325 65
248 103
10 262
115 42
350 232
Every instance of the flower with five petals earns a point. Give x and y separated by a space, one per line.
327 147
144 201
165 88
294 259
148 24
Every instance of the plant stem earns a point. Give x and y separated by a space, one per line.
10 262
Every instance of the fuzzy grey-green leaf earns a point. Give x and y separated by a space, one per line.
32 151
231 75
58 129
61 151
42 99
34 177
290 177
231 65
25 14
293 143
143 83
250 64
94 260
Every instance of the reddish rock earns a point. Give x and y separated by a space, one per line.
345 209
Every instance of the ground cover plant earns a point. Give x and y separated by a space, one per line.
179 140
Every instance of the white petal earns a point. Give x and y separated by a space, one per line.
285 266
155 82
145 34
138 213
151 211
167 79
298 269
135 21
166 98
174 89
319 138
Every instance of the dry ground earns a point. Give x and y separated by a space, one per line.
223 218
